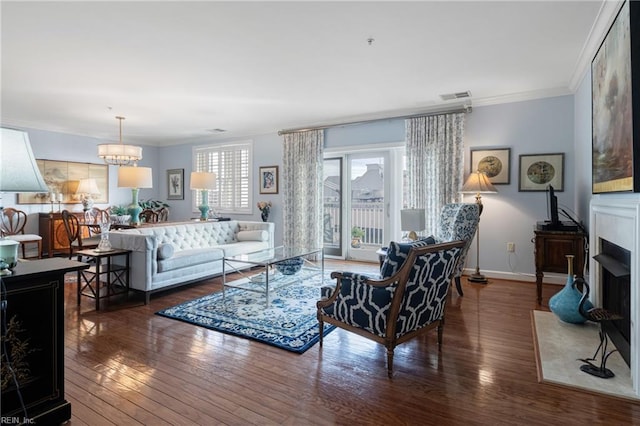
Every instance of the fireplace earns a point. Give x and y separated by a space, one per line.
614 233
616 294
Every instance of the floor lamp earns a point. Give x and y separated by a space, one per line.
478 183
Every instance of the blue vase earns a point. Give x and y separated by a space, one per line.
565 303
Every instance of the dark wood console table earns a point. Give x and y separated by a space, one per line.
551 249
54 236
33 305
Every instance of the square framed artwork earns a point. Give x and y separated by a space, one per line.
538 171
175 184
495 163
268 179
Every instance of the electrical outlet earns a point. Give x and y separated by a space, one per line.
511 247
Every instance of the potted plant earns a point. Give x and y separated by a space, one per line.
152 204
357 234
120 215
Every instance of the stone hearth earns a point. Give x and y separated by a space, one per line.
616 218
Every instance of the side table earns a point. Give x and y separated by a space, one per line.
551 249
117 276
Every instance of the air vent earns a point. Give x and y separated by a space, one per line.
457 95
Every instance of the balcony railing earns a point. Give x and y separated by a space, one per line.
368 216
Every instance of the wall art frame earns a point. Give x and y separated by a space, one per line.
495 163
268 179
615 105
175 184
538 171
63 177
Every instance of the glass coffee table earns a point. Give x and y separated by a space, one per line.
270 279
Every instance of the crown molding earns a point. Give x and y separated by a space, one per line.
522 96
606 15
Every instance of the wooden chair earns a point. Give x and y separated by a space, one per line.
399 307
149 216
12 225
74 234
96 216
163 214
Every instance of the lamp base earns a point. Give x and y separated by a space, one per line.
204 212
477 278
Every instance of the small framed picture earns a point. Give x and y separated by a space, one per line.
268 176
538 171
175 184
495 163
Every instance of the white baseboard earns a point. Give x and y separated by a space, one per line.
549 278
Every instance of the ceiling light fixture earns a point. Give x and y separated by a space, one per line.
119 154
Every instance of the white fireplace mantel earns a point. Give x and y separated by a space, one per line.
616 218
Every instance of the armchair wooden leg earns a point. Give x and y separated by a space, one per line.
440 332
389 362
459 286
321 331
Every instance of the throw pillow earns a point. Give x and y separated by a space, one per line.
252 236
165 251
397 253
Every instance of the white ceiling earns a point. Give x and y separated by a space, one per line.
176 70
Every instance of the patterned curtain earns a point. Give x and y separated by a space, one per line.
435 163
302 188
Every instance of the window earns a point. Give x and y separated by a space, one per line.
232 165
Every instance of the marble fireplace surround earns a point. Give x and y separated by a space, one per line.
616 218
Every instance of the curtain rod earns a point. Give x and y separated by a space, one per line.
457 109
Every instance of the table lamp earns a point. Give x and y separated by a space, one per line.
18 173
413 221
478 183
87 188
203 181
135 177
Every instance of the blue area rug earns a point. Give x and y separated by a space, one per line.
288 323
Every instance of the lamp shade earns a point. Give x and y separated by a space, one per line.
18 169
135 177
203 180
88 186
412 219
114 153
477 183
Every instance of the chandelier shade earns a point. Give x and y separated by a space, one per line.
119 154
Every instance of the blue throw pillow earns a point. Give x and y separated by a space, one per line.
397 254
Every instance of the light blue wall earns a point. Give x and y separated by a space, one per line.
582 147
531 127
538 126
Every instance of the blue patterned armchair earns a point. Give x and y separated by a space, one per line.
458 221
405 304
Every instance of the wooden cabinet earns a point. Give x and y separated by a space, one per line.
551 249
54 236
33 336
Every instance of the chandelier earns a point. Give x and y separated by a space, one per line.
118 153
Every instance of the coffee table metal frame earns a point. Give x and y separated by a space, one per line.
267 259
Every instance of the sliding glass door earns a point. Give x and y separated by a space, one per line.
356 220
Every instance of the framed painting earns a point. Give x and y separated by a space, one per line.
615 106
175 184
495 163
268 176
538 171
62 179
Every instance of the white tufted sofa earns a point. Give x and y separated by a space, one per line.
172 254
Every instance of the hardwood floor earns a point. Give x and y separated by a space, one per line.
126 366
